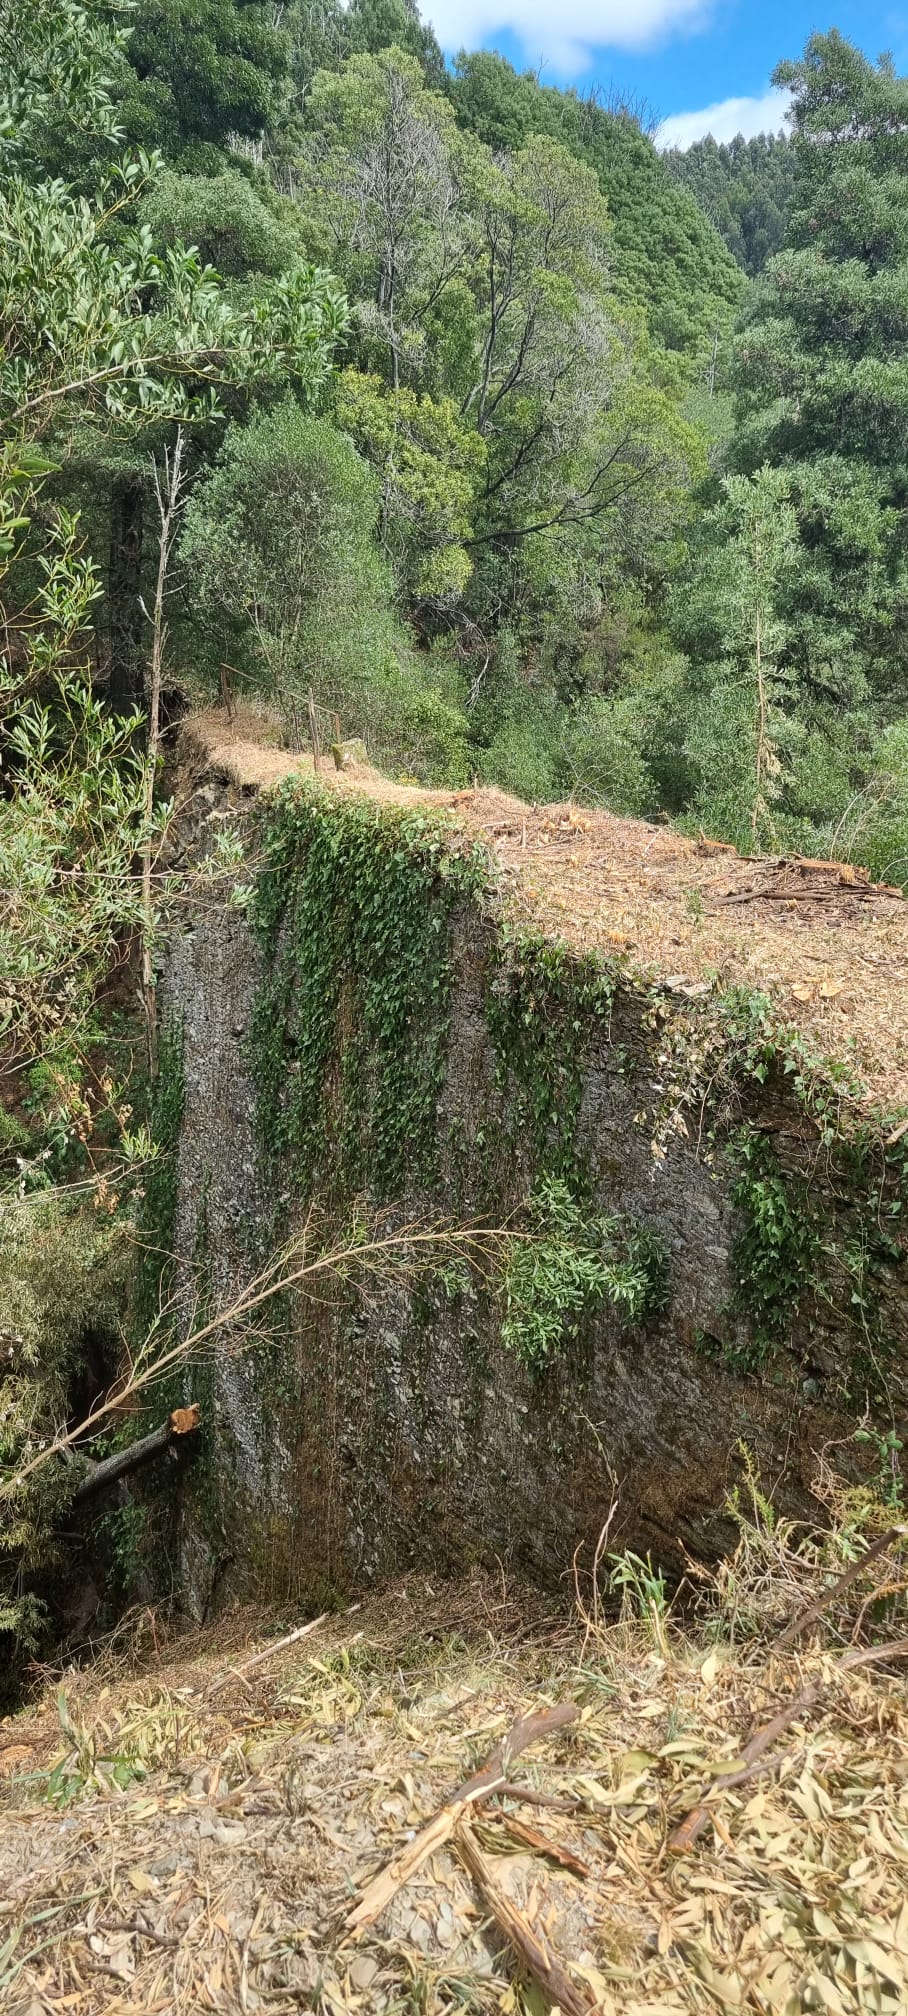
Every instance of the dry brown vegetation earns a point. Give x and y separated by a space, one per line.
828 947
188 1826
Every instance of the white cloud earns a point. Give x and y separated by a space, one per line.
725 120
578 26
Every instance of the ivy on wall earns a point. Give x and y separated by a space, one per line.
352 912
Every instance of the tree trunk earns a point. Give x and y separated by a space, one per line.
183 1421
127 514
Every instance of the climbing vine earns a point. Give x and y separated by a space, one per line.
352 912
544 1005
814 1246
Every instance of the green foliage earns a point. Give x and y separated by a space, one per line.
352 910
775 1247
888 1449
279 538
57 65
819 379
374 25
125 1531
70 833
235 227
94 324
744 187
380 166
543 1002
428 465
819 428
64 1267
569 1265
63 270
541 749
668 258
204 70
643 1590
481 286
85 1765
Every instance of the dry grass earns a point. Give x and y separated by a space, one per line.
207 1844
827 947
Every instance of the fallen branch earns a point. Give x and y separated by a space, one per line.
541 1845
385 1885
269 1652
526 1730
530 1797
182 1421
761 1739
531 1949
852 1574
282 1273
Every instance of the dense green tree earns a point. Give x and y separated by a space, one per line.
429 465
821 371
204 71
373 25
667 257
744 187
278 538
238 228
279 543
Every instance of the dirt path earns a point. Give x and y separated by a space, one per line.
826 945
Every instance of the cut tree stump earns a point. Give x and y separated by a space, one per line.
182 1421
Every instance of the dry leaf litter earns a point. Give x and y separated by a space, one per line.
190 1828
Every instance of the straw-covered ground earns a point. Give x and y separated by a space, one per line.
826 946
185 1830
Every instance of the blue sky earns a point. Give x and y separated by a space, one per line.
691 60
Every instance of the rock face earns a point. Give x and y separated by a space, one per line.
373 1034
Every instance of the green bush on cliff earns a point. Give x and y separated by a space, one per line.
569 1265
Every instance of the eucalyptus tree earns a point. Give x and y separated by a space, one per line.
381 182
821 371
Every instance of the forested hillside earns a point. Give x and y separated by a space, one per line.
745 188
430 406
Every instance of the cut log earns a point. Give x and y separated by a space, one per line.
542 1844
183 1421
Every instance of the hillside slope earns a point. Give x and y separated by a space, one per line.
669 258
